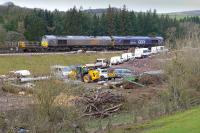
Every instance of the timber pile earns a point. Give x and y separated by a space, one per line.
102 104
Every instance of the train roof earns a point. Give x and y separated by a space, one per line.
76 37
101 37
137 37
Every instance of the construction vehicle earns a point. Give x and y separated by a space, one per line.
85 74
111 74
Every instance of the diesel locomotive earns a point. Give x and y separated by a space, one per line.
71 43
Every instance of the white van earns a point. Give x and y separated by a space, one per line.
130 56
124 57
103 63
146 52
141 52
127 56
138 53
154 50
116 60
162 49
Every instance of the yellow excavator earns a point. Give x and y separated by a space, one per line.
84 74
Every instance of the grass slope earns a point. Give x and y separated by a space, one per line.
40 64
183 122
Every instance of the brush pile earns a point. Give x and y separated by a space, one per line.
101 104
148 79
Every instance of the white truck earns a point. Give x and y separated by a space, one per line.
146 52
154 50
158 49
162 49
127 56
116 60
141 52
102 63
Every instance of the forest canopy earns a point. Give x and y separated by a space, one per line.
32 24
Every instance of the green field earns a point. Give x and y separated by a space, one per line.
40 64
182 122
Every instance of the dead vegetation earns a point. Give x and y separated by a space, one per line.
183 73
45 116
101 104
153 80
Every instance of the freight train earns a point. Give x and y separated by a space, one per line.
71 43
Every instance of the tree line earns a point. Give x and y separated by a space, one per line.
32 24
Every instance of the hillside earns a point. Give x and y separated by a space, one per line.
185 122
100 11
104 10
186 13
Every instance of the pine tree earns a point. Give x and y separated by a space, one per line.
110 21
35 27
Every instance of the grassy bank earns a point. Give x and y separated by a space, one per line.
40 64
117 119
183 122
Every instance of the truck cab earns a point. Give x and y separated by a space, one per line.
127 56
146 52
141 52
116 60
102 63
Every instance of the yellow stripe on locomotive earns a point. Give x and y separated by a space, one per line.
44 44
21 44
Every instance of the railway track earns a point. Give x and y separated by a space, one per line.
55 53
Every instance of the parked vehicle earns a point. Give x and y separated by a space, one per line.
141 52
154 50
146 52
116 60
162 49
124 57
138 53
130 56
122 72
61 71
102 63
103 73
111 74
127 56
85 74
